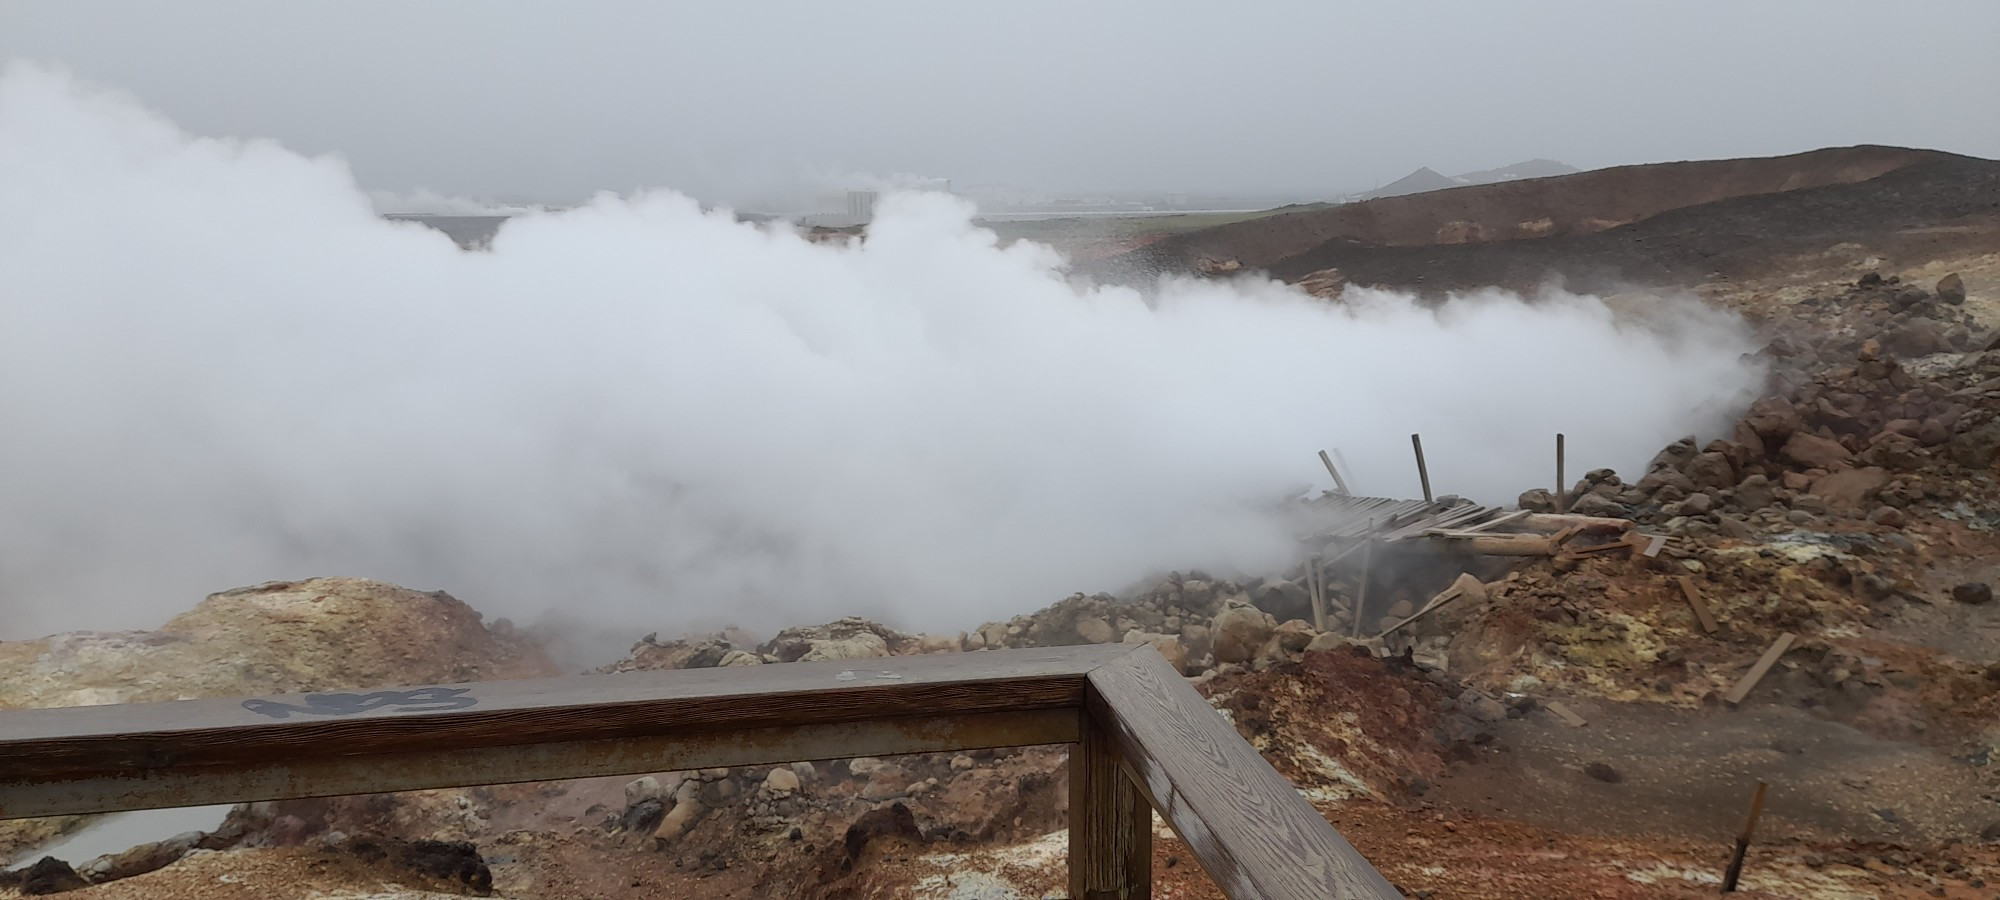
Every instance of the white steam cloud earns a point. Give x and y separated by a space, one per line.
218 366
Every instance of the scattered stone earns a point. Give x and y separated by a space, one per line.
1951 289
1603 772
457 861
1240 632
781 781
1887 516
1976 593
1599 505
50 875
1813 451
1480 707
1294 636
1094 630
641 789
687 810
1851 488
1168 645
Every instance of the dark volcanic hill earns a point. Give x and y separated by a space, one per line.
1670 222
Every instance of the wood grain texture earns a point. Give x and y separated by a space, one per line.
282 779
1245 824
105 741
1757 672
1693 595
1110 824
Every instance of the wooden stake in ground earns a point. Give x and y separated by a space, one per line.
1423 473
1735 871
1339 484
1361 593
1561 492
1693 596
1770 658
1317 591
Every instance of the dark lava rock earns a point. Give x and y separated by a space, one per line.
50 875
1974 592
1603 773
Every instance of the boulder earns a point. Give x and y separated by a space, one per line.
1094 630
1537 500
1976 593
1675 456
1951 289
1239 632
1813 451
1918 337
1654 482
1481 707
1774 419
1851 488
1293 636
1600 506
782 780
1710 470
687 810
1283 598
1325 641
1887 516
1169 646
1976 448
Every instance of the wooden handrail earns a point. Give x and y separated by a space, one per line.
1141 735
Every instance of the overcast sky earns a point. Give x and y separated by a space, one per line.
729 100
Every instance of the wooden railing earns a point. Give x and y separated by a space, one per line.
1141 737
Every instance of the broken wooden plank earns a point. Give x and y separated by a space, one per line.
1495 522
1511 545
1764 664
1566 714
1654 543
1693 595
1466 585
1549 522
1339 483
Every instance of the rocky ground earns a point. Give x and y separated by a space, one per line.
1853 507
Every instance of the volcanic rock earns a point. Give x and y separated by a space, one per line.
1813 451
1951 289
1976 593
1240 631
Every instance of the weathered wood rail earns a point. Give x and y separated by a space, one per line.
1141 738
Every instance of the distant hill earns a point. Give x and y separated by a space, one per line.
1428 179
1515 232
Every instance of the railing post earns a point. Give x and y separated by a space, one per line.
1110 825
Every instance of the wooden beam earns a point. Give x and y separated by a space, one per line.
1562 487
1511 545
1248 827
1735 871
1316 591
1563 712
112 741
1764 664
1464 585
1110 824
283 779
1694 600
1423 471
1554 522
1654 543
1339 483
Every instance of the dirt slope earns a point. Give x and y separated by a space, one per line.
1583 203
1921 212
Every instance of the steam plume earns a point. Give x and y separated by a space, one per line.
218 366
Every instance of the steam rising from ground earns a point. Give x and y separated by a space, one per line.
218 366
